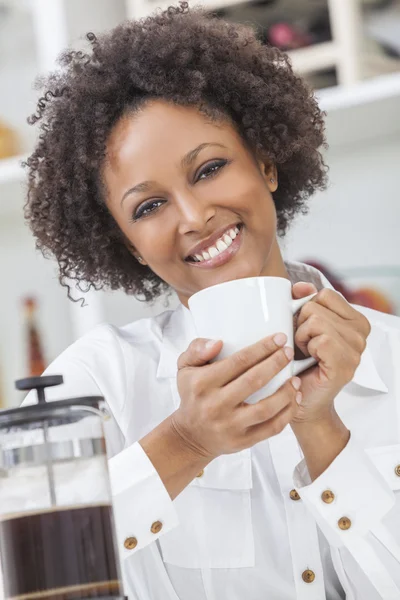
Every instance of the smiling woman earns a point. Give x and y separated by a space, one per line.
172 156
180 119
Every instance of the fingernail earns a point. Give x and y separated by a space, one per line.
299 397
280 339
289 352
210 344
296 383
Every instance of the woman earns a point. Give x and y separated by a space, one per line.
173 137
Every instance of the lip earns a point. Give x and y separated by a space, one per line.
198 249
223 257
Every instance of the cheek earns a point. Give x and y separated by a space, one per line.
248 190
155 239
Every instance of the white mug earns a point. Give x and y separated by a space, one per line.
242 312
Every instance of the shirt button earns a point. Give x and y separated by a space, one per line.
294 495
397 470
344 523
328 496
200 474
130 543
308 576
156 527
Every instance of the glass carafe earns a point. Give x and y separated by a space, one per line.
57 536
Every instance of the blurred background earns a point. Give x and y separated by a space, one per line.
348 50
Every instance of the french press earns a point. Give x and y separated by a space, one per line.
57 538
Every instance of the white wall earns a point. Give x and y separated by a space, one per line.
356 221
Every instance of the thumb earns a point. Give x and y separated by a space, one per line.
199 352
302 289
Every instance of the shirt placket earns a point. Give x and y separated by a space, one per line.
302 529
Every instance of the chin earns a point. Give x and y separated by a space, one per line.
234 272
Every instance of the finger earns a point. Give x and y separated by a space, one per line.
257 376
336 359
263 431
268 408
301 289
314 317
228 369
336 303
312 309
314 326
199 352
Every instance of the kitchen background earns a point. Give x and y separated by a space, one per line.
349 50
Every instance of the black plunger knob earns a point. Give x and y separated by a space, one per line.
39 384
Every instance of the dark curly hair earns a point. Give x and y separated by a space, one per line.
188 57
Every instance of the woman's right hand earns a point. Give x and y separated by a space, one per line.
213 418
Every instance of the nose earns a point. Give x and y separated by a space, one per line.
193 213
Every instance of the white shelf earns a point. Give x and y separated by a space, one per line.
362 112
364 92
315 58
136 9
11 170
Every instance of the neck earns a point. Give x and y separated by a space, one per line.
275 266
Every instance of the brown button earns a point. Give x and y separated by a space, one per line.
294 495
328 496
397 470
156 527
130 543
200 474
308 576
344 523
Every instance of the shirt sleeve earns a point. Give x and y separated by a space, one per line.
356 510
143 508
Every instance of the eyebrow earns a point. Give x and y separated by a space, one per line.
186 161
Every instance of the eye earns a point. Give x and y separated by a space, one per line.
211 169
146 209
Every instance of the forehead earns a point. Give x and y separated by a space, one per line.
161 130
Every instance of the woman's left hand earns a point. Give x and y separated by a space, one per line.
335 334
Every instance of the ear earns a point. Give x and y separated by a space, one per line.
270 174
134 252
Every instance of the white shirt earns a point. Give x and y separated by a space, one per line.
236 532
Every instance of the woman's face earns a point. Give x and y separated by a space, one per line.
191 199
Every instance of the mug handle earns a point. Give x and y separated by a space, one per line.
305 363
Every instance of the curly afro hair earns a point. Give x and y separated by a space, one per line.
188 57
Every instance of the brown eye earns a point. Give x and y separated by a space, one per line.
211 169
146 209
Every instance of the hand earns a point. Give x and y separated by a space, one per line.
213 418
335 334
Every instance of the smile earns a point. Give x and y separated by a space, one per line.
220 252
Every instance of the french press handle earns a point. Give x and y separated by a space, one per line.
39 384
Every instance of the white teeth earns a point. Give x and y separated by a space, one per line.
213 252
227 240
221 246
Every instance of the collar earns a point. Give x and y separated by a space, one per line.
179 331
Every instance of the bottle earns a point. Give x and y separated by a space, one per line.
8 141
36 363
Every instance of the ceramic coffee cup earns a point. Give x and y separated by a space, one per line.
242 312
